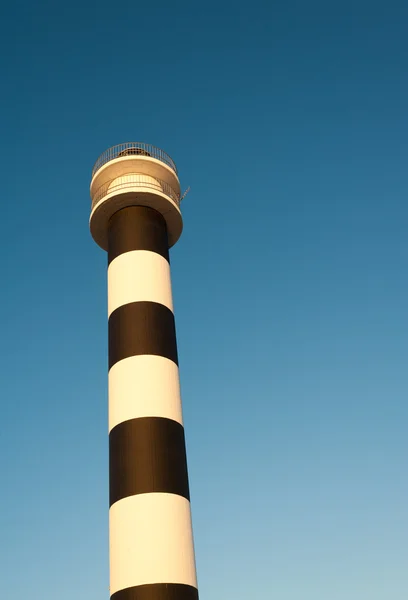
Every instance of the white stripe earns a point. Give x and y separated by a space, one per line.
151 541
139 275
144 386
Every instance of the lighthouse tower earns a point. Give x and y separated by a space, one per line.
136 218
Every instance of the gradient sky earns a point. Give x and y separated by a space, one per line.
289 121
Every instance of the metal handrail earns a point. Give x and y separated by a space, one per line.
122 183
129 148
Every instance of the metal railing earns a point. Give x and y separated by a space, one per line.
124 183
133 148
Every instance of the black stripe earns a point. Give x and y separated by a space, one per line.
158 591
142 328
137 228
146 455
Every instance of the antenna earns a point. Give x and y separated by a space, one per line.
185 194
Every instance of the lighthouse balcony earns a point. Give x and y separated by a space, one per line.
134 149
139 184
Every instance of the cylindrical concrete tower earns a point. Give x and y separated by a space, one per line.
135 216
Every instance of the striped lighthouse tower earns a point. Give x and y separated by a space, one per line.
135 217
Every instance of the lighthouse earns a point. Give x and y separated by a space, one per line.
136 218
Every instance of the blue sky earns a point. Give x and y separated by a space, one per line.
288 121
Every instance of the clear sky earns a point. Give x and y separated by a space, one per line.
288 120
